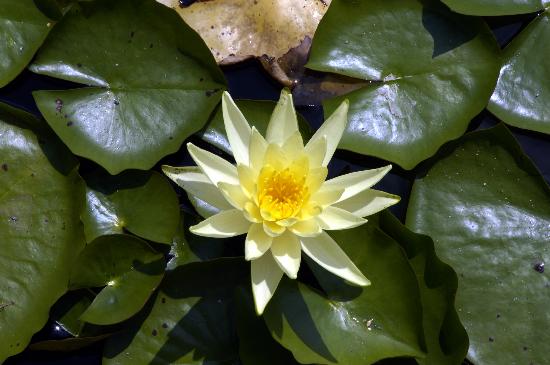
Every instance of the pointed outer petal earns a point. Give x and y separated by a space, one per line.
356 182
283 122
294 145
237 129
287 253
252 213
273 229
257 242
326 252
233 194
192 180
315 179
332 218
257 149
266 275
316 151
307 228
368 202
276 157
332 129
327 195
216 168
247 180
228 223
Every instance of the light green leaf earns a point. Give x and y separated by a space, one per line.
432 71
488 210
152 82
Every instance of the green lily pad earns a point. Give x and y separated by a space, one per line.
256 112
23 28
152 82
40 200
352 325
494 7
488 210
522 95
128 268
190 319
143 203
432 71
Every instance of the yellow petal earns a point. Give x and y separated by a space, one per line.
287 253
332 129
332 218
228 223
237 129
368 202
252 213
315 179
307 228
265 275
275 157
316 151
273 229
233 194
216 168
192 180
257 149
283 122
247 180
257 242
327 195
326 252
356 182
294 145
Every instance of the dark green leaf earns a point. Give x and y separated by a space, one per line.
353 325
152 82
128 267
488 211
190 322
494 7
522 95
143 203
23 28
432 72
41 231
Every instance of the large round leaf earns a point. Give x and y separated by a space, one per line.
522 95
190 322
488 210
128 268
153 82
23 28
432 71
352 325
41 231
143 203
494 7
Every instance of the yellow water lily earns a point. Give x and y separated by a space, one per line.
277 194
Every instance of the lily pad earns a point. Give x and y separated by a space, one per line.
495 7
143 203
488 210
431 72
149 89
23 28
41 231
128 268
522 95
352 325
190 319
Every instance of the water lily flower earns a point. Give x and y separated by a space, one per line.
277 194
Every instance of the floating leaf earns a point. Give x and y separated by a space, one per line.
488 210
432 71
353 325
152 82
190 320
495 7
143 203
128 268
23 28
41 231
522 95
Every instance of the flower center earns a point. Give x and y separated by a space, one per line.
281 194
